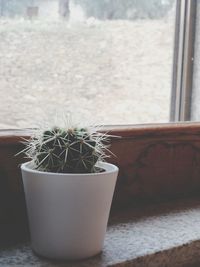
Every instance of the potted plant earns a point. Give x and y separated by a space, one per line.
68 190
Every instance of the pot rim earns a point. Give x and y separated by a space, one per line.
108 167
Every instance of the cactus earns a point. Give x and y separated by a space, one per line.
72 150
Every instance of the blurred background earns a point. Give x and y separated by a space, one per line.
106 61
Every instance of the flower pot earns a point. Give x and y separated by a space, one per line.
68 213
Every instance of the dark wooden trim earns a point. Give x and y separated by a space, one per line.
156 162
155 130
123 131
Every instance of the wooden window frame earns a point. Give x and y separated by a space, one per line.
184 40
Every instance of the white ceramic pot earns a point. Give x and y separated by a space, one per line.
68 213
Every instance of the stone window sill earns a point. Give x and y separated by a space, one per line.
157 163
156 235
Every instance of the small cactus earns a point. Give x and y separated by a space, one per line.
72 150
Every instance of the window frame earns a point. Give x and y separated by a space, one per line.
182 77
140 133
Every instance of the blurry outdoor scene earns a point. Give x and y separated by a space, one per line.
106 61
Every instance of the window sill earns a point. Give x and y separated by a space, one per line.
157 162
167 234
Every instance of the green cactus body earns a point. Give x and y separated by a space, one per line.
73 150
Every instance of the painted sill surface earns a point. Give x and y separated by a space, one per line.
156 235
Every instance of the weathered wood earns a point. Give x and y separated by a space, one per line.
13 219
157 162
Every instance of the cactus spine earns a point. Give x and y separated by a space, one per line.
72 150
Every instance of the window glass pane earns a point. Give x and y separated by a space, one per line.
109 61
